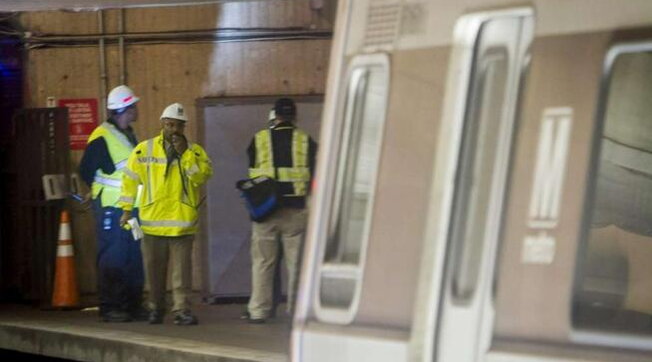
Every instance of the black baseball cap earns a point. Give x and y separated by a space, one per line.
285 107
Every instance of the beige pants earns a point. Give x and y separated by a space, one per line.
156 250
286 226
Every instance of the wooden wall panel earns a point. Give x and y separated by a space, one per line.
59 22
278 14
163 74
183 72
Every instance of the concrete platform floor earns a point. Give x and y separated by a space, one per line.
220 336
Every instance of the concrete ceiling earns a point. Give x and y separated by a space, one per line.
81 5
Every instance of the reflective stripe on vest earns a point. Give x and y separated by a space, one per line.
150 155
108 182
168 223
298 174
121 165
132 175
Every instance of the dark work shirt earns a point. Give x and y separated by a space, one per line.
96 156
282 151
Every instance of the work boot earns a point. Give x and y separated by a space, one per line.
247 316
139 314
244 315
184 318
116 316
256 320
155 317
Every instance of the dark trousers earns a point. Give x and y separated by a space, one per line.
119 262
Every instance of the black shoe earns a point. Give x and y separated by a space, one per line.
184 318
247 316
116 316
141 314
244 315
155 317
256 320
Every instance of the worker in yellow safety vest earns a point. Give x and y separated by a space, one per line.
287 154
119 260
171 171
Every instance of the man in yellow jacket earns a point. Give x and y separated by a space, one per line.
171 171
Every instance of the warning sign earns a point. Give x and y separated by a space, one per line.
83 120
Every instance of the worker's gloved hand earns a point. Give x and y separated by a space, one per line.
180 143
126 215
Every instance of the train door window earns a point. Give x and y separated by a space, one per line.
613 287
484 151
491 69
353 196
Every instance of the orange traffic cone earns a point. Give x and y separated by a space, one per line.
65 293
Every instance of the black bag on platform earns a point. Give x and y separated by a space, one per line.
261 196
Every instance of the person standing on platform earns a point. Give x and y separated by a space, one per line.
285 153
171 170
119 260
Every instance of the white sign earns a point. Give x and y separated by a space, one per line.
549 172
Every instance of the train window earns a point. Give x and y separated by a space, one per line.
613 290
350 212
488 75
485 131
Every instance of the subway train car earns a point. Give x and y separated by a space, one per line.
484 187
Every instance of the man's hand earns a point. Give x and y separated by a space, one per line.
88 197
126 215
179 143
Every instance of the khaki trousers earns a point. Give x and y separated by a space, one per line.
286 226
156 251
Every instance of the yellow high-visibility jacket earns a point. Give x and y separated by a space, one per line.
170 195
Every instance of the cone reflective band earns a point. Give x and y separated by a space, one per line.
65 250
65 294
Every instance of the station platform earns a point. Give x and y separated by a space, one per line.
79 335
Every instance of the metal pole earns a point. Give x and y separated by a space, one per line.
121 30
103 76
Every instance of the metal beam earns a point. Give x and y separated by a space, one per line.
93 5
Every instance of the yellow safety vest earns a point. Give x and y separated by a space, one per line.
298 174
170 193
108 185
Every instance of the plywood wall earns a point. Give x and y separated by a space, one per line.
161 74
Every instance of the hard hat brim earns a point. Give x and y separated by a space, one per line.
175 118
124 105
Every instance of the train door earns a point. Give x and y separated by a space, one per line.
574 276
489 58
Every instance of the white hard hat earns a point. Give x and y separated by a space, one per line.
175 111
121 97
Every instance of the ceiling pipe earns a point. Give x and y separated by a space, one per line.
215 35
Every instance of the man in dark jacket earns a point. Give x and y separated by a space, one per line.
119 260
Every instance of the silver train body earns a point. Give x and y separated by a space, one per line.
484 187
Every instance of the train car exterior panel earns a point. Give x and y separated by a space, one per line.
564 73
403 174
